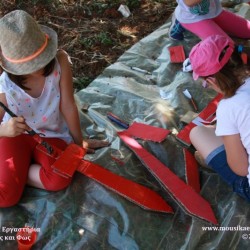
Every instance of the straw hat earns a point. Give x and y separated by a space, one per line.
25 46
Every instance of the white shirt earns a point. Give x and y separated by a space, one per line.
207 9
233 117
42 113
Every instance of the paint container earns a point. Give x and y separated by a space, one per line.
124 10
26 238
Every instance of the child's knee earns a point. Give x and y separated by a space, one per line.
194 133
54 182
57 185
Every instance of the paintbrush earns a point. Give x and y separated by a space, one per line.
117 120
188 95
32 132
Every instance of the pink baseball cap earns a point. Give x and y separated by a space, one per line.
205 57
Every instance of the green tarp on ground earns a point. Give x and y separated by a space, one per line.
89 216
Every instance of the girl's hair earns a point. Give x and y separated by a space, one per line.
20 80
232 75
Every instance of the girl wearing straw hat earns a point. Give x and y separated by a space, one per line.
36 85
226 147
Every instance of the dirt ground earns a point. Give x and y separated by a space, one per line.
95 33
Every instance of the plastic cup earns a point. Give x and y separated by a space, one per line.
124 10
26 238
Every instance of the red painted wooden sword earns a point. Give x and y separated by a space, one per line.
71 160
189 199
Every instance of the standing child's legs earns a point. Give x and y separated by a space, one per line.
212 150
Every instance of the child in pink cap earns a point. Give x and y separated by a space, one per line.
205 18
226 147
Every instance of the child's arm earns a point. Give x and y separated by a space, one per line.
237 156
191 3
69 109
67 103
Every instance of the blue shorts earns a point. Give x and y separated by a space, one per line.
217 160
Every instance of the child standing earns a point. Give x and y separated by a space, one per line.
226 148
36 85
205 18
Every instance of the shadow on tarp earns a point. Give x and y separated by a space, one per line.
87 215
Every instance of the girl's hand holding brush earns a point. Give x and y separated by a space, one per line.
14 127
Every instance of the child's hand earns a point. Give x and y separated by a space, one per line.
15 126
92 144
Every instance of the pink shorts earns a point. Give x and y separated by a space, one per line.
227 23
17 154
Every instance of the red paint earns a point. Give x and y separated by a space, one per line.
192 170
205 114
147 132
186 197
138 194
26 238
177 54
71 160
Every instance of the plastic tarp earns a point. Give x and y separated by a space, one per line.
89 216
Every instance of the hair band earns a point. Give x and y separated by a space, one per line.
32 56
